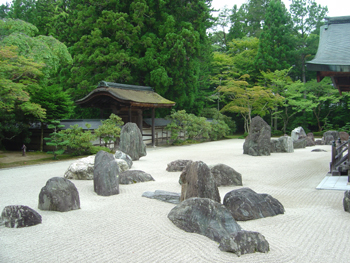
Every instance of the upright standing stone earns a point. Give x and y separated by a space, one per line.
298 133
198 181
59 194
106 172
131 141
258 142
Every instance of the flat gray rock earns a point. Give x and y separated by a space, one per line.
169 197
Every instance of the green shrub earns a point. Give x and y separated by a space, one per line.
110 129
219 129
80 142
213 113
56 140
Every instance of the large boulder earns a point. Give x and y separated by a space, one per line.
59 194
330 136
125 157
344 136
106 172
346 201
131 141
204 216
310 139
16 216
169 197
283 144
300 143
225 175
134 176
197 181
244 242
122 165
245 204
319 142
82 169
298 133
257 143
177 165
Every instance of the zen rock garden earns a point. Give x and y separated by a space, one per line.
199 208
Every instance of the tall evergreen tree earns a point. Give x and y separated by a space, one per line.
274 41
307 18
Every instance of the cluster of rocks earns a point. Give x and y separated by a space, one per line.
106 170
199 209
259 142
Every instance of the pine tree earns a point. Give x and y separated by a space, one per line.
274 44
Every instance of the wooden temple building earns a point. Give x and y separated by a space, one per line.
333 60
127 101
333 54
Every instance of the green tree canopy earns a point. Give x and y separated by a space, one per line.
274 44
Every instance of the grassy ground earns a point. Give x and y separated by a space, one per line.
15 158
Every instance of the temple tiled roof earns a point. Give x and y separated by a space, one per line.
132 95
333 52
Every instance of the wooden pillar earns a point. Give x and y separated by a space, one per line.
153 127
130 119
140 120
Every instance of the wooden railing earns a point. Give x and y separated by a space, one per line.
340 158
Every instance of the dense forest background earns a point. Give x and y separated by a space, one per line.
241 62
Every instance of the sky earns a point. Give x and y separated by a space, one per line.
335 7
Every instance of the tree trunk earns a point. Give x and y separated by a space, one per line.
42 136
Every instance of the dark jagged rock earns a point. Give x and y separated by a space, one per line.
16 216
205 217
198 181
59 194
131 141
106 172
283 144
257 143
346 201
244 242
125 157
245 204
169 197
134 176
177 166
225 175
